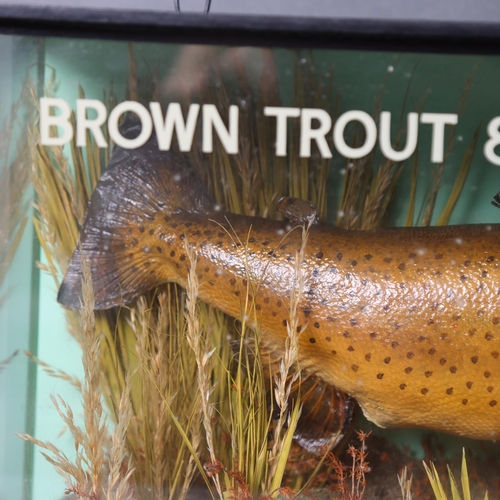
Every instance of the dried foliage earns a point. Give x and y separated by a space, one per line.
16 148
438 488
163 365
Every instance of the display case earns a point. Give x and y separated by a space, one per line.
247 257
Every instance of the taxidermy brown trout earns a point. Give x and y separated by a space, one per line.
405 320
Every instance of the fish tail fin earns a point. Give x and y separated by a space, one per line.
138 189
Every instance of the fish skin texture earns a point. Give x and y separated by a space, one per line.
405 320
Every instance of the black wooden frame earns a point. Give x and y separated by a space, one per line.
390 35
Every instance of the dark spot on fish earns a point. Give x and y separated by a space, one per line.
266 300
438 256
354 263
207 232
443 336
386 308
316 325
251 239
388 260
130 255
472 331
488 336
306 311
493 403
333 352
354 368
350 348
409 355
449 391
330 319
402 286
285 322
182 236
402 266
258 307
244 282
474 359
469 384
328 339
487 374
467 263
394 344
380 376
368 256
490 388
464 401
432 351
135 241
151 231
484 274
412 255
463 278
431 322
368 357
495 354
408 369
442 361
421 338
319 255
147 264
373 335
279 303
312 340
490 258
173 225
221 235
428 374
387 360
339 256
438 274
424 391
453 369
159 249
353 322
237 293
182 257
188 224
402 386
346 335
265 243
141 229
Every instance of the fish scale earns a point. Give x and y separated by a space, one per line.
405 320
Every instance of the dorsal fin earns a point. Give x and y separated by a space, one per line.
298 210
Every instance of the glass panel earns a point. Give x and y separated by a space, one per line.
165 394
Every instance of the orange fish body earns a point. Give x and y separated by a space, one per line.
407 321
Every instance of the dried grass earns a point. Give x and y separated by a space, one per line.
150 356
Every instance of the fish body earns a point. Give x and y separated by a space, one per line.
405 320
